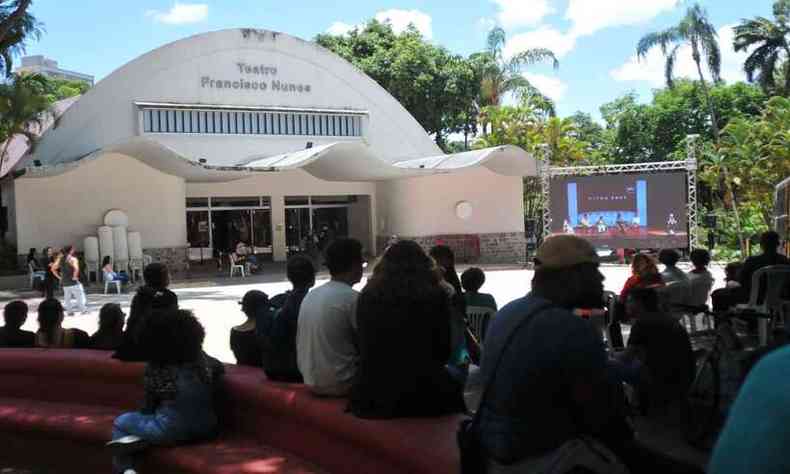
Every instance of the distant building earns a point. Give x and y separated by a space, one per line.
49 67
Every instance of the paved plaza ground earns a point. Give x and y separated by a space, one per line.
215 301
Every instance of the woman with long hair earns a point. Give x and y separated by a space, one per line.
50 280
50 331
181 384
403 318
644 274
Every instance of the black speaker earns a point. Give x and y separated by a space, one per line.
529 226
710 221
4 218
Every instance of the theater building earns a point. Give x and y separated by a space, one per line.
257 136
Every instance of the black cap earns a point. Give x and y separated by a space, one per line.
254 298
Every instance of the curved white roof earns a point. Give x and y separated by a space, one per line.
108 117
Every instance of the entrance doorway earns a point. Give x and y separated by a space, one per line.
216 225
312 222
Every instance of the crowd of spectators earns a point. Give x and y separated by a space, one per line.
553 398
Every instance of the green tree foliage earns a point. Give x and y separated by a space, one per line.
501 76
436 87
16 27
769 45
22 108
697 31
637 133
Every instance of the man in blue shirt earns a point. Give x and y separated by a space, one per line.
551 386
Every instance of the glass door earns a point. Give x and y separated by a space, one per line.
198 235
262 232
297 229
329 223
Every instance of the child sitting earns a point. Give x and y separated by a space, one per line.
180 389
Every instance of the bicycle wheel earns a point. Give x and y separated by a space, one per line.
704 397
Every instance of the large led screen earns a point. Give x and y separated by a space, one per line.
622 211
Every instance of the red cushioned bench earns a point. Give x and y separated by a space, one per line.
57 407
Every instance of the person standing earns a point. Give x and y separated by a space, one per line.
67 270
50 280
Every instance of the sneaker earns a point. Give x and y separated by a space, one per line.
127 445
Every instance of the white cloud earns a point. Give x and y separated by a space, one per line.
181 13
651 68
519 13
400 20
485 24
339 28
551 87
590 16
544 37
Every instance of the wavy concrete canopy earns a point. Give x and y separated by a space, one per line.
332 162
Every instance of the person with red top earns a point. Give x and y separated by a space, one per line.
644 274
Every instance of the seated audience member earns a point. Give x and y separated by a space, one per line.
109 336
700 279
756 435
52 334
153 300
246 256
326 340
110 274
549 370
472 280
460 356
39 273
644 274
671 274
243 338
732 272
403 303
661 346
12 335
769 243
279 345
181 384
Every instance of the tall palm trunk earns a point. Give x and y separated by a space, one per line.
715 126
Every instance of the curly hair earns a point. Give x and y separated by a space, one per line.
404 273
643 266
178 325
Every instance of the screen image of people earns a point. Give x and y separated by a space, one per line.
622 211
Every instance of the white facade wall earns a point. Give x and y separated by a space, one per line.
63 209
426 206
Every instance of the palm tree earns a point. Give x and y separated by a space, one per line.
770 58
16 25
23 107
500 76
695 30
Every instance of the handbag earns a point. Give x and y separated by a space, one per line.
472 455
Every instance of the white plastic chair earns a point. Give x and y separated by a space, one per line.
108 281
135 269
769 282
235 266
34 274
478 318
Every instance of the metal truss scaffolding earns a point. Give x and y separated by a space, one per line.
547 172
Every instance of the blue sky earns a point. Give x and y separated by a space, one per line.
595 39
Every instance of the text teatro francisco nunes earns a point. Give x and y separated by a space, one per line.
253 81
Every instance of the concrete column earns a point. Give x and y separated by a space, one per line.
279 247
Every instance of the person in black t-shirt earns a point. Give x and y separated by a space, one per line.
769 243
243 338
109 336
279 343
663 348
11 335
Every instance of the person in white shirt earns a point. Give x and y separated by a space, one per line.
700 278
326 347
671 273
